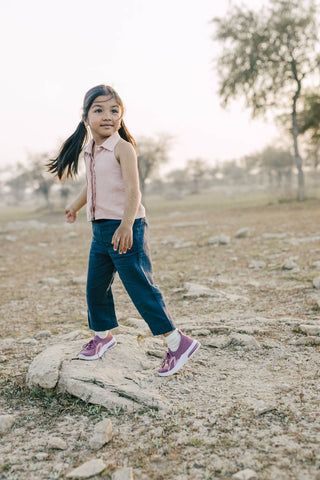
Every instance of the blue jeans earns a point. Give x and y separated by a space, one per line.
135 271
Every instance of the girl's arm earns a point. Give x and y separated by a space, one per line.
127 157
72 209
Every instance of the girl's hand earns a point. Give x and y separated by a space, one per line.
71 215
122 238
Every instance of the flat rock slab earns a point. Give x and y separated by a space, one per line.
123 376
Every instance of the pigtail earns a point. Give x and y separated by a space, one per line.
124 133
68 157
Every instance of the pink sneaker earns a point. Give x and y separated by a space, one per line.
173 361
96 347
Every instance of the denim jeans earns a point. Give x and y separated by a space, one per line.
135 271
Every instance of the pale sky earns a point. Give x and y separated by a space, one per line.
158 55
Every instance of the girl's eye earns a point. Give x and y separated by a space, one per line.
97 110
114 111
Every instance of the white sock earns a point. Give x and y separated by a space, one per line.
102 334
173 340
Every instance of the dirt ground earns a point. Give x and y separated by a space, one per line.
249 398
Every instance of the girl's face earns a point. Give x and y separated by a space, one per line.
104 118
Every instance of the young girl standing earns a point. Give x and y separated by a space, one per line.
120 231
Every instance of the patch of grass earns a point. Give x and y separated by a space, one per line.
196 442
54 404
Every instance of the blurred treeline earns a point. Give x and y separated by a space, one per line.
272 169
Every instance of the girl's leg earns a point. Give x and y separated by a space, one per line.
135 271
101 272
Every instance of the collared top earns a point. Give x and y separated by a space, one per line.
106 194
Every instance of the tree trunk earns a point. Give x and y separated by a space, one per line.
295 132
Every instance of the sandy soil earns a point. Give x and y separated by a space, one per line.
250 403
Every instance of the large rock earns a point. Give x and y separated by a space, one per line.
124 375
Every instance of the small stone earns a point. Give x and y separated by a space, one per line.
242 233
284 387
246 474
195 290
262 407
102 434
316 283
11 238
6 422
257 264
316 264
41 456
310 329
3 359
29 341
43 334
224 239
57 443
268 236
309 340
221 239
80 280
71 235
50 281
289 264
244 340
88 469
123 474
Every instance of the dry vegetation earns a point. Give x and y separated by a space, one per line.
214 427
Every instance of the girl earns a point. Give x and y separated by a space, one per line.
120 231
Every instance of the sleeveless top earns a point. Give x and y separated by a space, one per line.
106 194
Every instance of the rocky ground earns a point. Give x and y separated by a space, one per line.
242 279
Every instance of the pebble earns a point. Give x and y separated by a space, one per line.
316 283
246 474
11 238
123 474
88 469
310 340
41 456
3 359
102 434
6 422
221 239
57 443
242 233
257 264
43 334
262 407
289 264
80 280
29 341
244 340
310 329
50 281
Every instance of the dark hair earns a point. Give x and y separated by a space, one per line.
68 157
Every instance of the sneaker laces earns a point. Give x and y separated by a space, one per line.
89 344
166 359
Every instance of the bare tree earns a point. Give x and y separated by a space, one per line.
267 56
152 152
